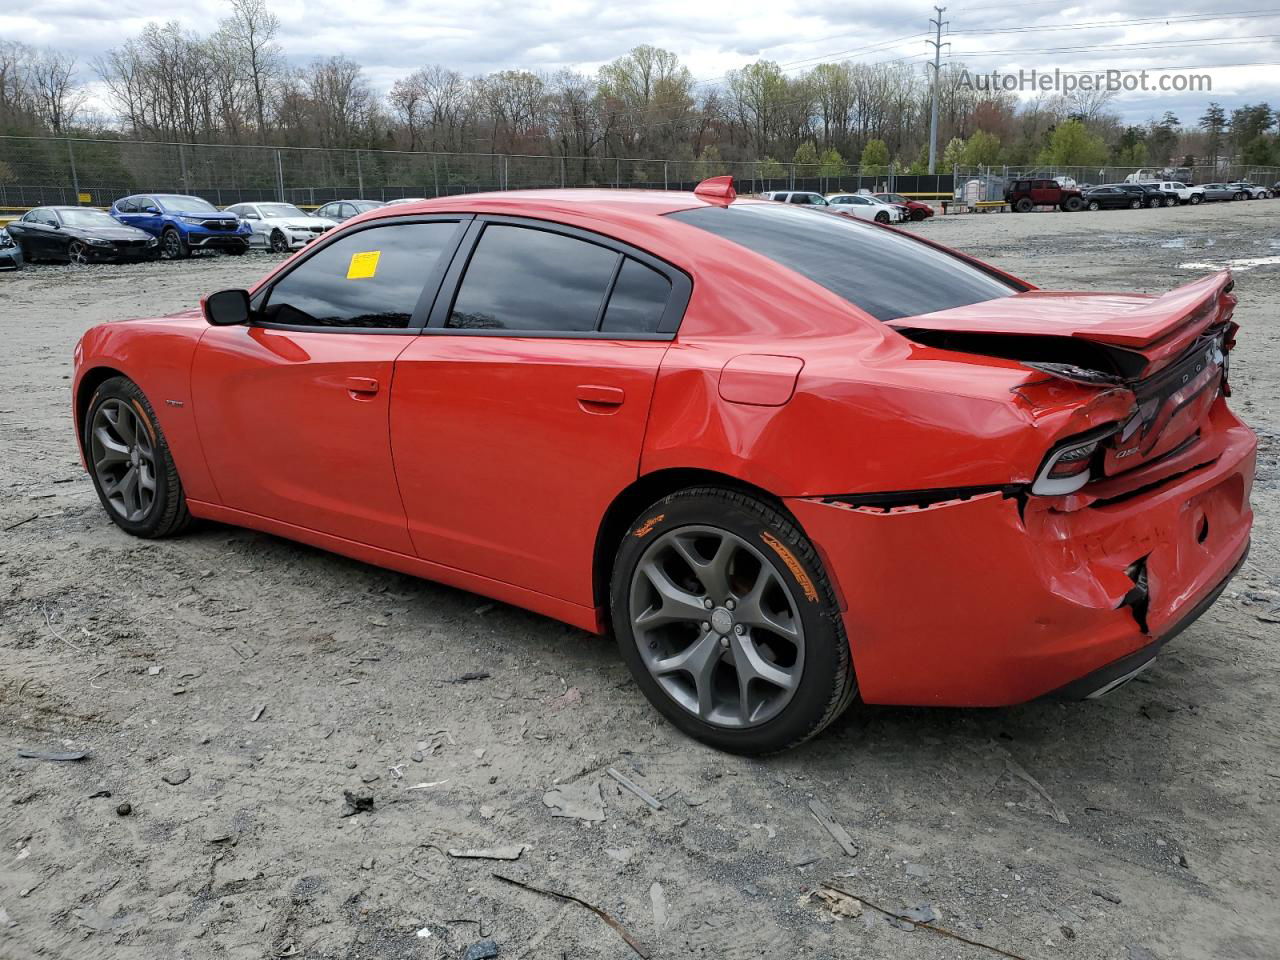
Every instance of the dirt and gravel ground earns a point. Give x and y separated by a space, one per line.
263 678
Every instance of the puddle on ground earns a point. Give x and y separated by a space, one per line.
1238 266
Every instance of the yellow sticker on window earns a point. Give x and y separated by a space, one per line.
363 265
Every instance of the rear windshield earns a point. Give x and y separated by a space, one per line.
886 274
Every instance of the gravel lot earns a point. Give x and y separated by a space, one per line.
274 677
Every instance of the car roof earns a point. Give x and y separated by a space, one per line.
628 204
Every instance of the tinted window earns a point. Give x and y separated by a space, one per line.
800 198
638 299
888 275
370 278
524 279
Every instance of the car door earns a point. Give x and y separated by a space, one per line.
520 413
144 213
1044 192
292 408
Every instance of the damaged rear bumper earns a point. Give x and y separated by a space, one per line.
993 599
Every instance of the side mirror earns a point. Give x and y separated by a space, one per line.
152 210
226 308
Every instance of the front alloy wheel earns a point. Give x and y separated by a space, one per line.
278 242
724 614
78 253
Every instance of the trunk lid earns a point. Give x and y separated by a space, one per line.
1169 350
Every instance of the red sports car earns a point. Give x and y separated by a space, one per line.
787 459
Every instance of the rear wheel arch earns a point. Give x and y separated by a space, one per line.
647 490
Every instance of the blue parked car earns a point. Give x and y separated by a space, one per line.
183 224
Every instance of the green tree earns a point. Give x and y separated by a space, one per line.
1260 152
981 149
771 169
831 164
954 151
1163 138
875 158
1212 123
1071 144
806 160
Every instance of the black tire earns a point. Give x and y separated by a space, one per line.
167 513
1094 205
278 242
237 251
1024 205
1170 201
1135 204
78 253
826 685
882 217
917 215
1072 204
1241 195
1154 202
172 246
1196 198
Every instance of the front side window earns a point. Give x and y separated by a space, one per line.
886 274
521 278
370 278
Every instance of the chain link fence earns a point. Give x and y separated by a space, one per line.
69 170
978 184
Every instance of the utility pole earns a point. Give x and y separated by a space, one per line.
937 44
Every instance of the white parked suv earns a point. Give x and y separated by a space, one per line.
280 226
1192 195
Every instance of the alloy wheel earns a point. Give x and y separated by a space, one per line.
717 626
278 242
124 459
172 245
78 253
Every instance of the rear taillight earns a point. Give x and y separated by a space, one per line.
1069 465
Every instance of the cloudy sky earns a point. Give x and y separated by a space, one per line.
1235 42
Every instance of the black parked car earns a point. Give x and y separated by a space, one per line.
1132 195
80 235
10 253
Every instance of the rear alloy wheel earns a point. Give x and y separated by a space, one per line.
278 242
130 462
78 253
172 246
725 616
1170 201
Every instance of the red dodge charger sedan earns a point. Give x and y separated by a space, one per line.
786 458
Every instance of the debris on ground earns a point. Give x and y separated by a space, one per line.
361 801
570 698
257 713
63 755
508 852
1106 895
653 802
124 809
578 801
1020 772
481 950
840 904
471 676
176 777
658 899
427 785
826 819
604 915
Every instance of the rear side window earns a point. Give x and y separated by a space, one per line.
638 300
886 274
369 278
521 278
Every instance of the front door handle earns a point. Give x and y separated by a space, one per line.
362 385
601 396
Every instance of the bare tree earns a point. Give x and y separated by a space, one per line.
251 30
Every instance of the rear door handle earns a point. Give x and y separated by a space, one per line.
603 396
362 384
